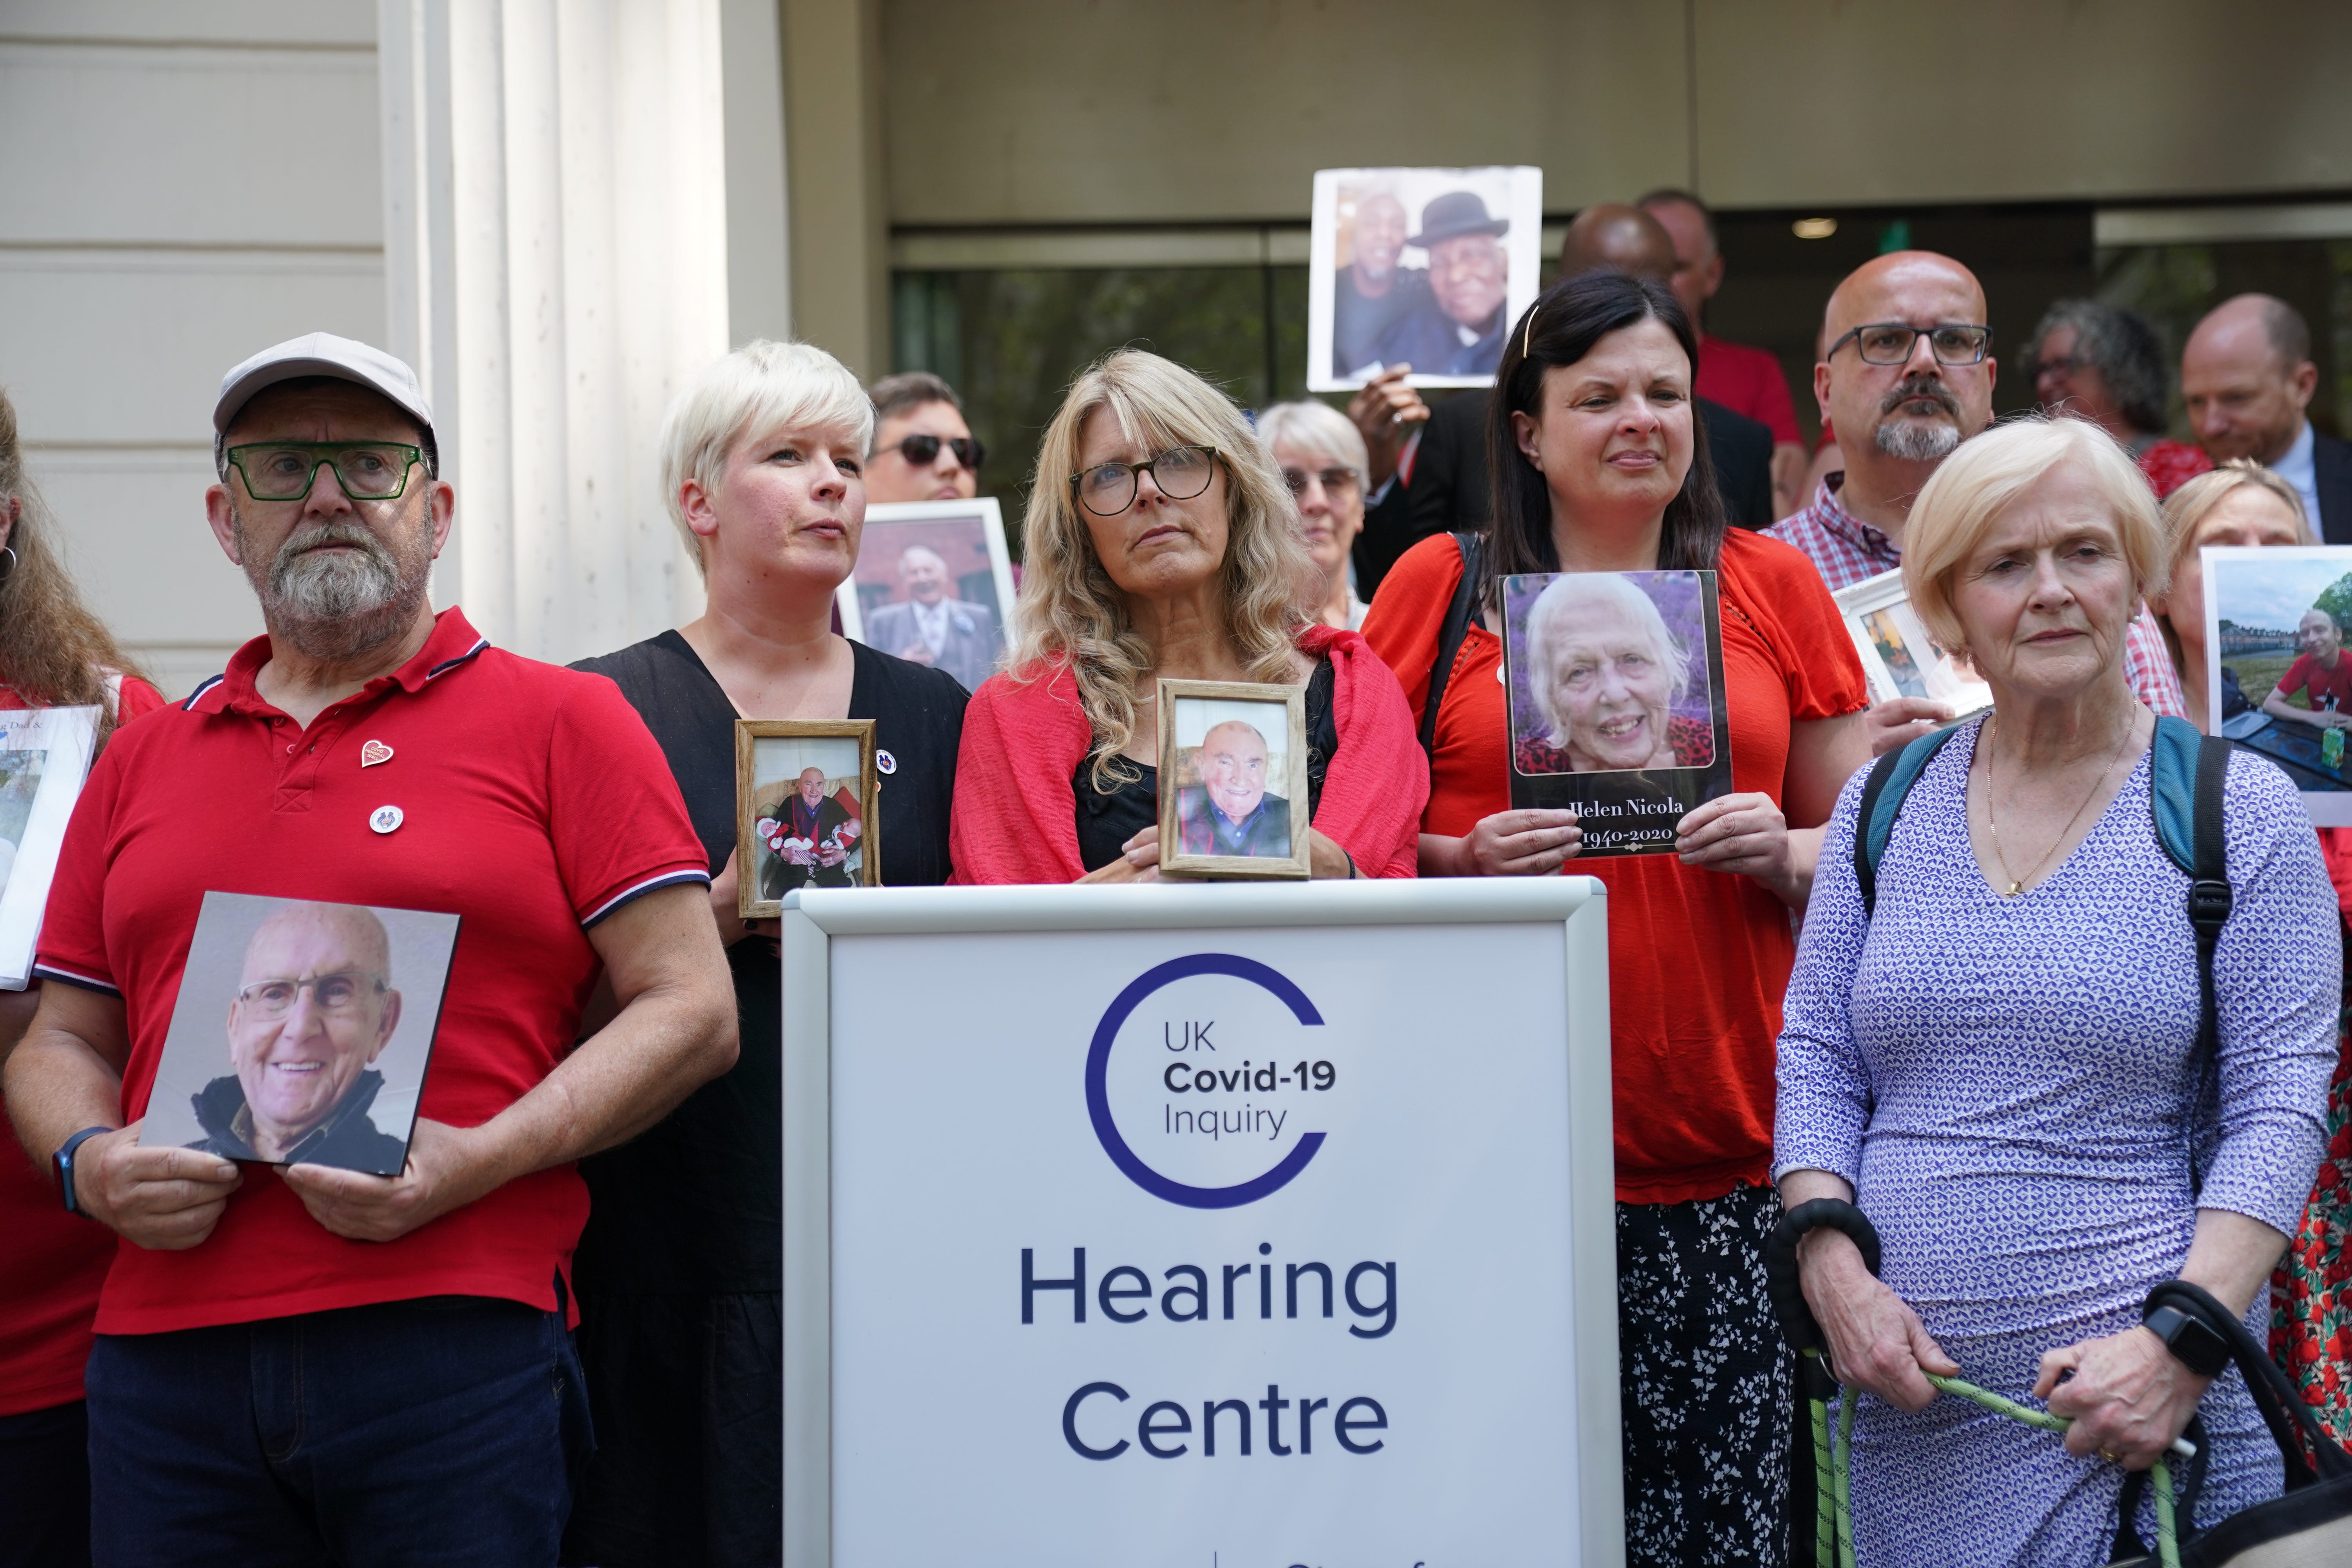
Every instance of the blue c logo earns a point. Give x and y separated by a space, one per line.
1099 1081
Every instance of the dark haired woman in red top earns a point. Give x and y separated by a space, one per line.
1600 467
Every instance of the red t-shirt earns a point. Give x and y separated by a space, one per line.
1747 381
1697 960
533 804
54 1262
2326 687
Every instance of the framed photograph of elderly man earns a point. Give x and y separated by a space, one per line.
1233 779
302 1032
2278 673
934 584
807 808
1898 658
44 757
1616 696
1420 267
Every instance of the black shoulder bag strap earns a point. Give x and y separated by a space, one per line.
2209 891
1449 641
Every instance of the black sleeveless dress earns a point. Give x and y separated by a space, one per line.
680 1269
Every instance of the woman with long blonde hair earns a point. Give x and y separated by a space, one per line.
53 654
1161 543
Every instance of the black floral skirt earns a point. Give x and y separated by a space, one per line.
1706 1382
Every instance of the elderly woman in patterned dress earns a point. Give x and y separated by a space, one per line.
2001 1067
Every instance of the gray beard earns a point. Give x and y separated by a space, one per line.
344 606
1917 443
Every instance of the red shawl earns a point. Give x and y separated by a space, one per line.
1015 818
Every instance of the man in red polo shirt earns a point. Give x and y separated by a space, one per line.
301 1364
1743 379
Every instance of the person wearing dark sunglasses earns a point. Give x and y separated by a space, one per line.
923 450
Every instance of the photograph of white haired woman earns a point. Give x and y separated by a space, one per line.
1616 674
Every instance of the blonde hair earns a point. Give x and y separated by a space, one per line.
1989 473
1071 609
764 385
2186 509
1317 429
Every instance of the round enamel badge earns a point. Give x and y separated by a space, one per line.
384 818
885 763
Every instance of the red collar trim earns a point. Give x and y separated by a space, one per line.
452 644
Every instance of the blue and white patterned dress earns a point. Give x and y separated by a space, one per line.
2008 1085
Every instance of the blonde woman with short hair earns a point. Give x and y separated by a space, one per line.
1999 1065
1160 541
763 463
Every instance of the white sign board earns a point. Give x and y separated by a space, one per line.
1249 1225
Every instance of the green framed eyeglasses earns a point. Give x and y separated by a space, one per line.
284 470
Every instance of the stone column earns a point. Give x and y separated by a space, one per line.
556 267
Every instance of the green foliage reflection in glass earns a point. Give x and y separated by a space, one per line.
284 470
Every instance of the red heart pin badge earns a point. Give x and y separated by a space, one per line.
374 752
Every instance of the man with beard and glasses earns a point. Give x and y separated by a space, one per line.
308 1364
1906 376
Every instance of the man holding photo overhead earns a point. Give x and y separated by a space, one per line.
308 1364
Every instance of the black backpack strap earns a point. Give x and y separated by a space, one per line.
1449 641
2209 889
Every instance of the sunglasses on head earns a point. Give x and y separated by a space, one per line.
923 450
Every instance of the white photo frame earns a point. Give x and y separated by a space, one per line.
966 533
2262 593
1506 193
1898 657
44 756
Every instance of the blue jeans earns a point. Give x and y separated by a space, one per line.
442 1432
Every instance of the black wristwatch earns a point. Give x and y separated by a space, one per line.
64 1161
2192 1344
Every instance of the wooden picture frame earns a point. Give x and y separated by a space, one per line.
1189 710
843 748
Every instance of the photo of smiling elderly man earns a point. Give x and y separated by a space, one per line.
326 1033
1231 811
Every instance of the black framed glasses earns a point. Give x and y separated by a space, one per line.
2066 366
1180 472
922 451
1334 479
284 470
1891 342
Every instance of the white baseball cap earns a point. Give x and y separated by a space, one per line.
324 353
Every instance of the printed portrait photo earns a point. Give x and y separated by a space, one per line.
2279 672
932 585
302 1032
45 755
1617 678
1420 267
1232 764
20 783
808 819
1900 658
